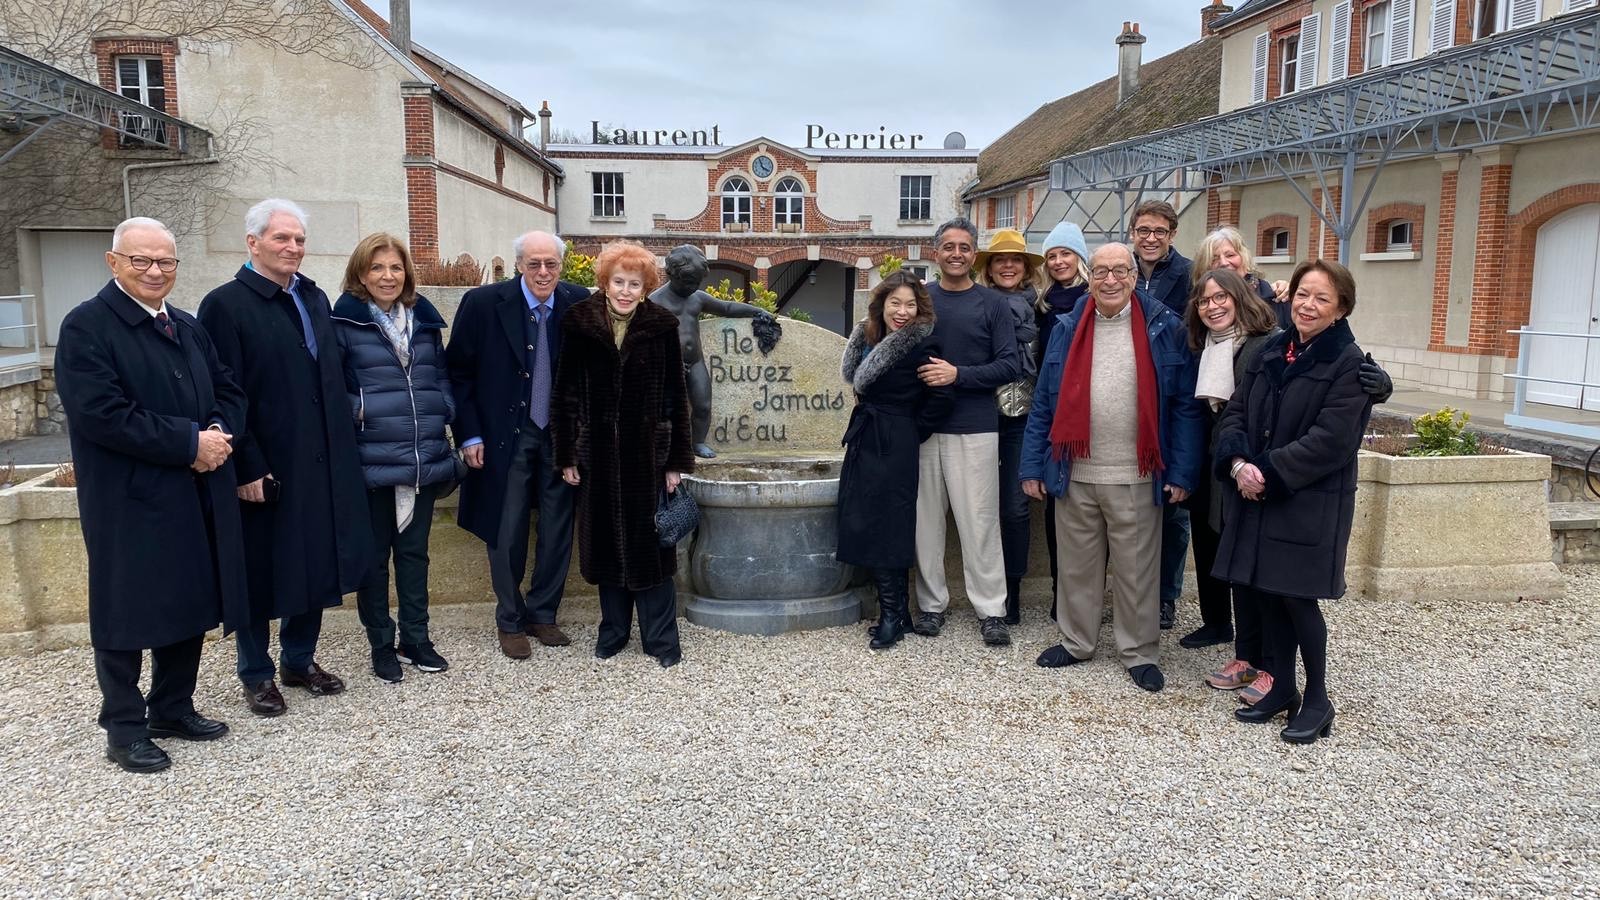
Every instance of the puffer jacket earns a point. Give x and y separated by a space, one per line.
400 414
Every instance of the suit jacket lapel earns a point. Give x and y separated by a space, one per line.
512 311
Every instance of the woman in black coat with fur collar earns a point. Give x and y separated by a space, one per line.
1288 443
894 413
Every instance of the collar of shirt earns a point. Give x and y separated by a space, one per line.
142 305
549 303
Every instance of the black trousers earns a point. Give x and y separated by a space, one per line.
658 618
173 671
1216 595
1014 526
410 549
532 483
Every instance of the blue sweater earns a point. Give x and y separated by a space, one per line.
975 328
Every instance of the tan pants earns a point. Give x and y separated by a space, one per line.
961 472
1095 522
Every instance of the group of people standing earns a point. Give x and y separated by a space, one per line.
275 451
1142 398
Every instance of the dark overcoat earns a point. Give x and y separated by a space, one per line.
489 376
1211 490
166 555
400 412
1301 425
314 543
894 413
622 417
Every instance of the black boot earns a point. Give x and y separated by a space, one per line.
893 617
1013 601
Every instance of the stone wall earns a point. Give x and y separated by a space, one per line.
49 417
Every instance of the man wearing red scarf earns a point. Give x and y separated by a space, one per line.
1115 434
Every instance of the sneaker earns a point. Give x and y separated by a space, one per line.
929 624
1232 676
1255 690
386 665
995 632
423 657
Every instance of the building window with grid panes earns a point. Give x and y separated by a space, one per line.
1288 64
141 79
607 195
1377 36
1005 212
788 203
736 204
916 198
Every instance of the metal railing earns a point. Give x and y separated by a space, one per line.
19 333
1518 417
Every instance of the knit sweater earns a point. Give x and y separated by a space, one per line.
975 329
1113 406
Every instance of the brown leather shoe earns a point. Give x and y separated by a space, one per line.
314 680
264 700
549 635
515 645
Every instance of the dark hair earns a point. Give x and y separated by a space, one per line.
959 223
1252 314
1154 208
1344 284
361 260
876 327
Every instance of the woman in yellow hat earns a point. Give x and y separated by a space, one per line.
1009 269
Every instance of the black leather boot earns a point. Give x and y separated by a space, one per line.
893 617
1013 601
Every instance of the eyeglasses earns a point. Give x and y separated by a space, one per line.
1098 273
1152 232
167 264
1216 299
535 265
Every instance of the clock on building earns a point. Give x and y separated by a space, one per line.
762 166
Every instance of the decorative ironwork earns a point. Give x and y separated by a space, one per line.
36 95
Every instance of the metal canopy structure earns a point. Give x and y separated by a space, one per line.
35 96
1534 82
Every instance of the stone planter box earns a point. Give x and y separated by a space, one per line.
1456 527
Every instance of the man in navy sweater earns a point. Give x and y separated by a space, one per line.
959 465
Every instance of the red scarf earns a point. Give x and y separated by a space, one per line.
1069 431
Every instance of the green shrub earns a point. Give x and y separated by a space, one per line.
577 268
1443 433
759 296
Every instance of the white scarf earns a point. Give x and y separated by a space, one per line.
396 326
1215 383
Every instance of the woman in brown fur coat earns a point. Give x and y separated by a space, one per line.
621 422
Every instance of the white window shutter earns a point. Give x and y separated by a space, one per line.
1258 86
1442 30
1575 5
1339 46
1523 13
1401 15
1310 40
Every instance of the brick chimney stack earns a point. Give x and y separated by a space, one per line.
1210 14
1128 59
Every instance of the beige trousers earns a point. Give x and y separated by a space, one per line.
1095 522
961 472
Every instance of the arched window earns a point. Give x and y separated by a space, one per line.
788 204
736 204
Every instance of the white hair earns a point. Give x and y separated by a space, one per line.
521 243
255 221
136 222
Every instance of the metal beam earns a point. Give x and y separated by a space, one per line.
29 87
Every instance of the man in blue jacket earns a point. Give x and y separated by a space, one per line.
1115 435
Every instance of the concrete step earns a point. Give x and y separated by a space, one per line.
1575 532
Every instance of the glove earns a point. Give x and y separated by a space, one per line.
1375 381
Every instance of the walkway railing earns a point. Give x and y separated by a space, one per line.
1518 418
19 333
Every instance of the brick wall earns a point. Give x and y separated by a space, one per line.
422 184
1444 248
106 50
1490 274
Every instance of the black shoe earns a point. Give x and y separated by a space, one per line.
1206 636
1056 657
423 656
1268 708
140 756
1309 725
1013 601
670 658
1148 676
994 631
893 613
192 727
929 624
1169 614
386 665
606 652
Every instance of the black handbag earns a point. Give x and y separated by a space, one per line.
677 516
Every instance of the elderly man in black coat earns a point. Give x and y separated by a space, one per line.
152 413
503 351
307 536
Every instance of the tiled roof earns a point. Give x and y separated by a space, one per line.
1177 88
1245 11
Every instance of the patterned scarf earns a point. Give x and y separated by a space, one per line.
396 326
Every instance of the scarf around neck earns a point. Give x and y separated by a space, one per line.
1215 382
1069 431
396 327
619 323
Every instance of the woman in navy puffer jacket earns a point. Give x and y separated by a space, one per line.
394 370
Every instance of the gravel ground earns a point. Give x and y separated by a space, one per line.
1463 763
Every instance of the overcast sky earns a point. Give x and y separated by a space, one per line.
769 68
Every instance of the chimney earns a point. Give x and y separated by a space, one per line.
400 25
1210 14
544 124
1128 53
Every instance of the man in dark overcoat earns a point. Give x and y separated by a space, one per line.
502 356
308 537
151 412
